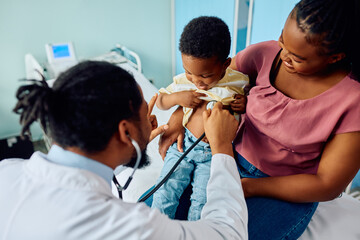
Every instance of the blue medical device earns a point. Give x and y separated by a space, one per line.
61 56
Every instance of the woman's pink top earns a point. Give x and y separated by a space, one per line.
284 136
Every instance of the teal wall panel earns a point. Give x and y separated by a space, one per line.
93 26
269 19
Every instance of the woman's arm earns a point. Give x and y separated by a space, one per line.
339 163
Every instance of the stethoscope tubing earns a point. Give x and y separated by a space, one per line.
144 198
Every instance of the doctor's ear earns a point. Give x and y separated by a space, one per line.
124 132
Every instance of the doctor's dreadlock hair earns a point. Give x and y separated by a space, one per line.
206 37
334 25
32 98
84 107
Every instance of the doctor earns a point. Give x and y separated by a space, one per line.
98 119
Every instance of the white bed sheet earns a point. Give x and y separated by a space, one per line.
333 220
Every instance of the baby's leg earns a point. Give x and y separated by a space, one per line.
166 198
200 181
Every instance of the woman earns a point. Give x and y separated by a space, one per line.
299 142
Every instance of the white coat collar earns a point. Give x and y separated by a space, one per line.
39 168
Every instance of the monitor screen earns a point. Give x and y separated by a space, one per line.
61 51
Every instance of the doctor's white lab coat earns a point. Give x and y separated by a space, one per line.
43 200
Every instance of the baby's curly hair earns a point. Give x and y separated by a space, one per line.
205 37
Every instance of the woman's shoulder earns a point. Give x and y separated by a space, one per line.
351 85
259 51
346 92
349 92
266 44
346 97
264 48
257 57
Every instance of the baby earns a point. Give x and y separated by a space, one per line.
204 46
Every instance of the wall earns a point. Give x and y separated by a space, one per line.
93 26
269 19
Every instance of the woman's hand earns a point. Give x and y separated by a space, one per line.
153 121
175 132
239 104
220 128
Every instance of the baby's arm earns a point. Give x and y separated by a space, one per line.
239 104
190 99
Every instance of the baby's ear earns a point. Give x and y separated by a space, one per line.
227 63
337 57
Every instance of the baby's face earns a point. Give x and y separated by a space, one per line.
205 73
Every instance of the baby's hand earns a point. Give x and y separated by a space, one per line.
190 99
239 104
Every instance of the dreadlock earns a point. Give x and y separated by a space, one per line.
32 104
334 25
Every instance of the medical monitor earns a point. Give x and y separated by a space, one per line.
60 52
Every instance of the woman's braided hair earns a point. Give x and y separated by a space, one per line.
334 25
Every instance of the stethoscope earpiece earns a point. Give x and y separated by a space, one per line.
137 163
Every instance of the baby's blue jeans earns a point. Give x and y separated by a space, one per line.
272 218
194 169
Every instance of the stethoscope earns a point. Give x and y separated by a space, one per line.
171 170
167 176
138 158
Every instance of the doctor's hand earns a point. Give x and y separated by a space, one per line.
220 129
176 132
153 121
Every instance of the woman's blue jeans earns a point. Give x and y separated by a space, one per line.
272 218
